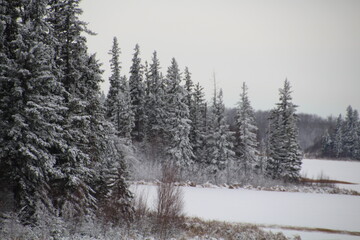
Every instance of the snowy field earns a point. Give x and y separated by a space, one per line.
338 212
348 171
310 210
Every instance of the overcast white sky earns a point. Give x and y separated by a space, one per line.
314 43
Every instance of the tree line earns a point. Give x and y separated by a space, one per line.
169 114
343 139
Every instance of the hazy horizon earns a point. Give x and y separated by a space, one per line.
314 44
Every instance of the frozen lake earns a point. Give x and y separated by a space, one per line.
337 212
348 171
340 212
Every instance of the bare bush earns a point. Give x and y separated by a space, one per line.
140 206
169 204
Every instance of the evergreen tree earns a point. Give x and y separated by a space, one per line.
137 94
284 152
189 85
72 191
356 136
273 167
246 142
30 106
84 125
126 115
350 133
338 137
198 124
219 138
118 102
178 122
70 44
114 197
357 141
155 107
327 145
114 95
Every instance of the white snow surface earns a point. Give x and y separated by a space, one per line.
348 171
332 211
297 209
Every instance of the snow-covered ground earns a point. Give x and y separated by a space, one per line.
330 211
348 171
311 210
340 212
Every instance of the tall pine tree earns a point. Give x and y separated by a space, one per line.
31 107
137 95
198 124
155 108
246 142
219 138
338 137
178 122
284 160
118 102
114 95
350 133
86 130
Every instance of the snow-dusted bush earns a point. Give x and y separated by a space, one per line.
169 204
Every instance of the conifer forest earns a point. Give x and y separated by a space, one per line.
70 154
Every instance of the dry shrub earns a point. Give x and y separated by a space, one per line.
169 204
140 206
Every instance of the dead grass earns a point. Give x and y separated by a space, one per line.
196 227
309 229
323 181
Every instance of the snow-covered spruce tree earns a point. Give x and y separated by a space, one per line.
356 153
198 124
31 106
327 145
71 190
155 108
118 102
126 113
338 142
196 104
137 94
350 133
219 138
112 192
284 160
115 85
189 86
85 129
273 168
246 146
178 122
107 156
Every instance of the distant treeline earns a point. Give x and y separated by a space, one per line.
342 138
317 135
